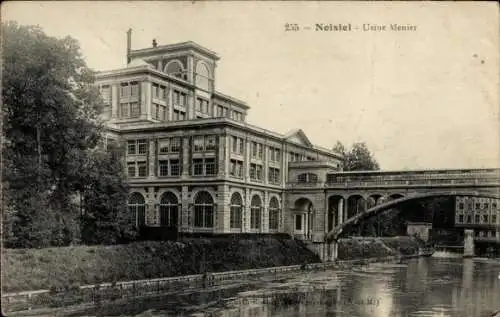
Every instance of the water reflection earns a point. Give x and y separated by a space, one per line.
425 287
422 287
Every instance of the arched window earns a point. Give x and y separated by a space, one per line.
137 208
204 210
169 210
255 211
174 68
274 214
202 76
236 206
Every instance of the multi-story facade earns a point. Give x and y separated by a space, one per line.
479 213
193 162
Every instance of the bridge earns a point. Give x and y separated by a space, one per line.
328 202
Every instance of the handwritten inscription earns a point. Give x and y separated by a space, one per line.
350 27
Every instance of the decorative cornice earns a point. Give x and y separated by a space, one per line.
190 45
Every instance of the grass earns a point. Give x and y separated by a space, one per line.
66 267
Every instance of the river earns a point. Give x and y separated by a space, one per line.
422 287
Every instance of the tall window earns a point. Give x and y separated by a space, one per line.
210 166
236 168
256 172
180 98
178 115
206 166
130 110
169 145
129 89
203 210
137 208
169 167
169 210
135 147
238 145
274 175
202 105
202 76
158 91
255 212
236 207
307 178
204 143
210 142
198 143
158 112
197 167
274 154
106 94
137 169
274 214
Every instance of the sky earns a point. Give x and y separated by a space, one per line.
421 99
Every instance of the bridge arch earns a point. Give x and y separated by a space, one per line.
335 208
335 233
374 200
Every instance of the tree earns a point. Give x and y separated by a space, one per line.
51 130
105 219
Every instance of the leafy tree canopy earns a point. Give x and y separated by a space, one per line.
51 129
357 158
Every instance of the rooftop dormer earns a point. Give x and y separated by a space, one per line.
187 61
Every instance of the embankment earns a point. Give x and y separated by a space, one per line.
60 268
69 267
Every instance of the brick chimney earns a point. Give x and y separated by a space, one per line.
129 44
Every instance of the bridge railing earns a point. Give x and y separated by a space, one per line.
414 182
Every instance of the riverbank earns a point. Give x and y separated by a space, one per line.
68 267
102 261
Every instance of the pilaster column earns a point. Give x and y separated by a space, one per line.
246 155
114 101
340 212
190 69
265 213
227 154
170 103
326 218
152 158
186 164
222 160
145 101
223 209
187 221
246 211
265 161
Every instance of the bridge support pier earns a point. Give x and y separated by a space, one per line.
331 251
468 243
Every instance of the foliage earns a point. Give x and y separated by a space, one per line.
105 219
51 129
358 158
